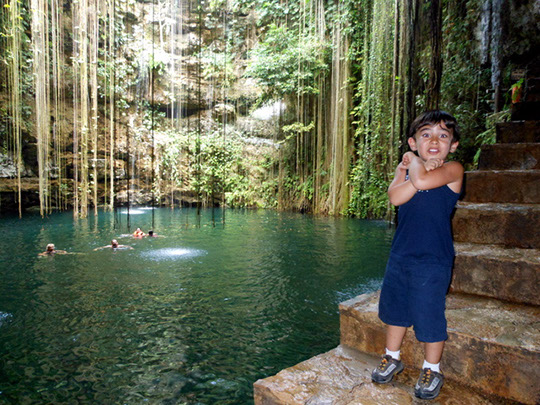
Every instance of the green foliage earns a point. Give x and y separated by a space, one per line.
291 62
217 5
215 165
26 53
371 114
298 127
217 157
251 183
369 184
465 84
285 65
489 136
516 90
218 66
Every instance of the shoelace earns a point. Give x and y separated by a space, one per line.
382 366
426 377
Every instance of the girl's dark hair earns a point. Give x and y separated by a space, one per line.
434 117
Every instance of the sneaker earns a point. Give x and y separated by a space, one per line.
386 370
429 384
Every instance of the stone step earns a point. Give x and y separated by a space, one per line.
525 110
510 225
503 186
508 156
518 132
491 271
342 376
493 346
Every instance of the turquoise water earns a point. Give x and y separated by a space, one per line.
194 317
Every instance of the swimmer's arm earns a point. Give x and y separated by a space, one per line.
56 252
435 173
401 190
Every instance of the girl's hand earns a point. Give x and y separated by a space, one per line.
407 159
433 164
401 167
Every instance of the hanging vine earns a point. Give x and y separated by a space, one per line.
349 77
40 42
14 56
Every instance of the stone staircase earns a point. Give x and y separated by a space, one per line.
492 355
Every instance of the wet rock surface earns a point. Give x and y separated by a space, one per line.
343 377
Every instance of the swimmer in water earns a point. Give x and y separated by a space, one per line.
138 233
152 234
52 251
114 245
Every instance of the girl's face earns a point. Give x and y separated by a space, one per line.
433 141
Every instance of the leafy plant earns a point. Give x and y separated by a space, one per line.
284 65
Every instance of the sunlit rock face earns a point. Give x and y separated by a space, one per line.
269 112
7 166
224 113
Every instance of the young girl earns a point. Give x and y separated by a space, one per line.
426 188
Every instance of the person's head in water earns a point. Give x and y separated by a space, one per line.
138 233
150 233
114 243
50 250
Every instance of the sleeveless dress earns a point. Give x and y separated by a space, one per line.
419 269
424 232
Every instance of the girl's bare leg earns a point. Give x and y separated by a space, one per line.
394 337
433 351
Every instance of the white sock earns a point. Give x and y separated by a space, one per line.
433 367
394 355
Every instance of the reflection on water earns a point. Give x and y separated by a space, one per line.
194 317
173 253
4 317
138 211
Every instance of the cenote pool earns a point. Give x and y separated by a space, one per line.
193 317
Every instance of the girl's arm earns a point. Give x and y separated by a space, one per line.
434 173
400 190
